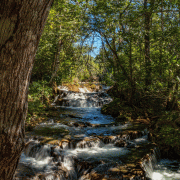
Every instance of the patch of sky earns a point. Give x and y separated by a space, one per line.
93 41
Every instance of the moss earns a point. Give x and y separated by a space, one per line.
121 118
39 98
73 86
93 86
49 131
137 153
52 141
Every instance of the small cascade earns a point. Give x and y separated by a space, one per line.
47 162
107 151
50 162
149 162
84 90
37 151
84 98
69 166
160 169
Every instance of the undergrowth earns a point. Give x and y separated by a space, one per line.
39 99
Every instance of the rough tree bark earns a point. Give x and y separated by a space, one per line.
21 25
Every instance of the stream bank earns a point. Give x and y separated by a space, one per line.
163 125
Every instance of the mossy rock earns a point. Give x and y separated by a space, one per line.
51 141
50 131
93 86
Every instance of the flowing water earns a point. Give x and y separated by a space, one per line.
161 169
94 144
166 170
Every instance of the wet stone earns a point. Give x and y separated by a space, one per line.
120 143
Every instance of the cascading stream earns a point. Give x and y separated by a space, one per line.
83 99
94 144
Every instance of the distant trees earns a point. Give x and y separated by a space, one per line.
140 40
62 48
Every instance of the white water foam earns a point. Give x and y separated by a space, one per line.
35 163
141 140
84 98
84 90
98 153
63 88
166 170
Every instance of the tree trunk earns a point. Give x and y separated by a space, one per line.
162 41
147 44
132 89
56 59
21 25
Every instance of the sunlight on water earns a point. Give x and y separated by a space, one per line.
83 119
108 151
83 99
141 140
68 163
63 88
87 114
165 176
157 176
84 90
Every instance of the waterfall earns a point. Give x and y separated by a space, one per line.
56 162
150 162
160 169
84 98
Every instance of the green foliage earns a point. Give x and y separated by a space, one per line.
170 135
61 54
39 98
166 132
118 108
122 57
38 89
